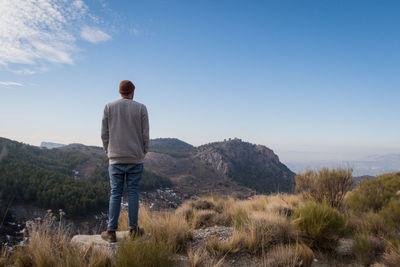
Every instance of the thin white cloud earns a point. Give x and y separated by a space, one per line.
135 31
35 33
94 35
10 84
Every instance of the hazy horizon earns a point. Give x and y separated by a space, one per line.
329 156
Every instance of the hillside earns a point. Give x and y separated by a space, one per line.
171 146
224 167
75 177
255 166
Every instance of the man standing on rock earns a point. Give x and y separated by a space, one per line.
125 136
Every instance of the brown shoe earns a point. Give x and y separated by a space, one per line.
137 231
109 236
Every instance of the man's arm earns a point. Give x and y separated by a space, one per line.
145 129
104 129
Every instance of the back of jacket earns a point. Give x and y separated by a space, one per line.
125 131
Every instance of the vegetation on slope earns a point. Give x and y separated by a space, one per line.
46 178
171 146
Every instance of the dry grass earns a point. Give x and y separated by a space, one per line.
214 210
259 232
371 223
144 252
49 245
219 248
201 258
290 256
265 226
266 229
164 226
203 218
391 256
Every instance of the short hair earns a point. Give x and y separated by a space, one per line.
126 87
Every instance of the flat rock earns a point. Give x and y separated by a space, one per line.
95 241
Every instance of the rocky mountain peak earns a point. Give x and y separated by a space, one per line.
256 166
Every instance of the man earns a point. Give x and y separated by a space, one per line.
125 136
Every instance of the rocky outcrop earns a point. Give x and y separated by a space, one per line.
252 165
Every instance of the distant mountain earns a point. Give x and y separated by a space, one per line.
231 166
372 165
171 146
51 145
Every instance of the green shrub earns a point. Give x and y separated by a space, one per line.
370 223
320 224
374 194
143 252
391 213
326 185
367 247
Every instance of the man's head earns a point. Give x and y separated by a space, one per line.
126 89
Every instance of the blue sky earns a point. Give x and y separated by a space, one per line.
308 76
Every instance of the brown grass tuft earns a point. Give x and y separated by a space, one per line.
392 256
290 256
144 252
49 245
201 258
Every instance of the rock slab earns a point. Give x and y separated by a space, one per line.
96 242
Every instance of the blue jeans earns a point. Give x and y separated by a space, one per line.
132 173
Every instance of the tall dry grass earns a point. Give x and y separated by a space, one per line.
392 256
144 252
215 210
259 223
49 245
164 226
290 256
202 258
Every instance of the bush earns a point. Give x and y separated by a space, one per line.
369 223
374 194
320 224
143 252
326 185
366 247
391 213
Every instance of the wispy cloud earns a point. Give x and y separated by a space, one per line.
35 33
135 31
94 35
10 84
